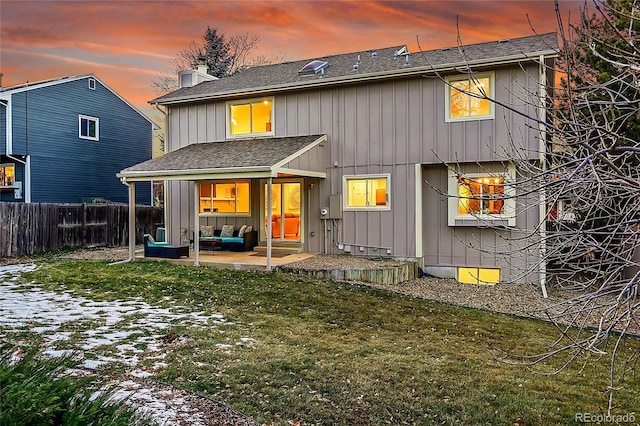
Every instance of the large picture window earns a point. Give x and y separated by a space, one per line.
88 127
367 192
250 117
7 174
228 198
466 97
481 197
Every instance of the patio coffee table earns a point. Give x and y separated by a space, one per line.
211 244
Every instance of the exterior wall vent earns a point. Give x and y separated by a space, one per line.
92 83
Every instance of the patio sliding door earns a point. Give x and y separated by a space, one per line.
286 220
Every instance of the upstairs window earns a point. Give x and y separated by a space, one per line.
7 175
466 97
89 128
250 117
227 198
481 198
367 192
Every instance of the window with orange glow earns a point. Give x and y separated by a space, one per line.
7 174
467 97
250 117
366 192
487 197
481 195
228 198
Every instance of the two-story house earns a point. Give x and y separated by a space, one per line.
380 153
63 141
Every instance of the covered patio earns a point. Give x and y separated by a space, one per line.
261 159
245 261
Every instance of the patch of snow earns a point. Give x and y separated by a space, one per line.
46 313
141 374
110 332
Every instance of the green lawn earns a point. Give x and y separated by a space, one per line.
331 353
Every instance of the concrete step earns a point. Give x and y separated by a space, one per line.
289 248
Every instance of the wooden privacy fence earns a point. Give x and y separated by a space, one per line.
34 228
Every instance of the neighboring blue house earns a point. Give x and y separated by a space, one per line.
64 140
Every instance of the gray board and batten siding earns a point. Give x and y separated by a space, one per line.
392 124
64 167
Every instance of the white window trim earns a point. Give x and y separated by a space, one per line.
92 84
345 198
88 117
447 98
228 106
509 208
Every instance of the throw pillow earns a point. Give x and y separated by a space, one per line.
150 238
242 230
227 231
249 229
206 231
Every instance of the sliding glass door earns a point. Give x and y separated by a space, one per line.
286 220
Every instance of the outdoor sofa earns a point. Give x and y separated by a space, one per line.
211 239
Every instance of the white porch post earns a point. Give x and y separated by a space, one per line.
132 221
196 223
268 218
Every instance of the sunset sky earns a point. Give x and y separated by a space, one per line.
128 44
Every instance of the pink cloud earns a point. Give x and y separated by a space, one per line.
128 43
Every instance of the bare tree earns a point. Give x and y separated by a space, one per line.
589 177
223 57
592 184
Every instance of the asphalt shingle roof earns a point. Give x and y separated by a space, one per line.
383 64
216 156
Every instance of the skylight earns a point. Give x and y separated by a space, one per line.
313 67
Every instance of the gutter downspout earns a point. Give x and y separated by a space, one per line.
542 147
165 187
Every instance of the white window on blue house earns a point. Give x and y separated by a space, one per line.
89 127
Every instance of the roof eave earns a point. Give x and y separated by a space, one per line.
335 81
196 174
